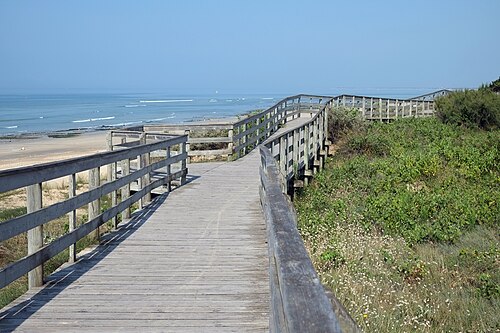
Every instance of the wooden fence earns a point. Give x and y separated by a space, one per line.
298 300
147 175
234 140
385 109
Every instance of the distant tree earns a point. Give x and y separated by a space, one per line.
495 86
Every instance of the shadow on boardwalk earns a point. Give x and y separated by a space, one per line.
65 277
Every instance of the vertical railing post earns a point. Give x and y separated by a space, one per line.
244 139
183 163
94 207
380 108
187 145
283 157
35 235
169 169
230 145
307 147
72 216
363 108
397 108
140 165
371 108
257 131
111 177
125 190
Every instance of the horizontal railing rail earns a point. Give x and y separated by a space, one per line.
37 216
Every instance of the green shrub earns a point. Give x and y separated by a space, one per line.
342 119
470 108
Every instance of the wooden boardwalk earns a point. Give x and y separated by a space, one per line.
193 261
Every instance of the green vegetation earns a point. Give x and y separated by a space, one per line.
403 226
471 108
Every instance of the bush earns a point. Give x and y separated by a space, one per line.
342 119
470 108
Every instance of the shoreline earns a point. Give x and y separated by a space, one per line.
30 149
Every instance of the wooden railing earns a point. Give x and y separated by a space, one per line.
147 175
299 302
234 140
384 109
205 141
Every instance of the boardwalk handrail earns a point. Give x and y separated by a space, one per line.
32 178
385 109
298 300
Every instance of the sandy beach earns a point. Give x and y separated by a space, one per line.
19 152
25 151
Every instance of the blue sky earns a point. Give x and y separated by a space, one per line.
247 46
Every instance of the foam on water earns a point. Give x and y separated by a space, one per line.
47 113
168 101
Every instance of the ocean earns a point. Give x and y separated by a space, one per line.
26 114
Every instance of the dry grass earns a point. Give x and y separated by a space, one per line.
387 286
13 204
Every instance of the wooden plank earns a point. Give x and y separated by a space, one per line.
194 260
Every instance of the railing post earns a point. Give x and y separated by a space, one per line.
283 154
363 108
307 148
35 235
371 108
397 108
244 139
111 177
380 109
125 190
140 165
187 145
72 216
183 163
257 131
94 207
230 145
169 168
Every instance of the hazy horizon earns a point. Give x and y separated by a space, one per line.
279 47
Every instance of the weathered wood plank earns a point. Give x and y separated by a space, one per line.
193 260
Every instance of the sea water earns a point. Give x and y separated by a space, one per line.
22 114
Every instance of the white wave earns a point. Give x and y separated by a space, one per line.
132 105
103 118
10 127
267 98
213 100
41 117
92 119
126 124
167 101
229 100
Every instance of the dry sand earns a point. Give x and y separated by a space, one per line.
20 152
